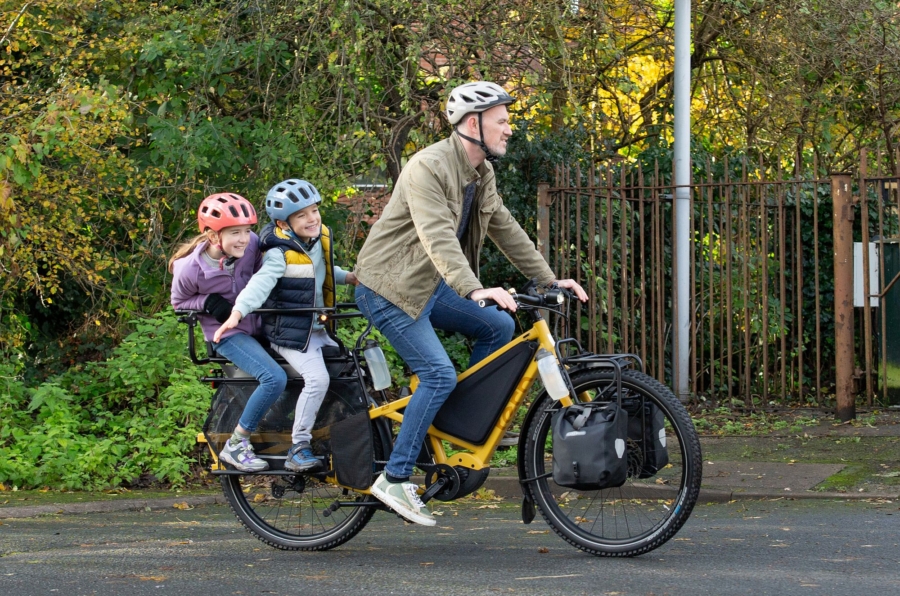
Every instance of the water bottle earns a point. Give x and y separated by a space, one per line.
551 375
381 377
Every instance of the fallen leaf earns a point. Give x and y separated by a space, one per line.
183 506
543 550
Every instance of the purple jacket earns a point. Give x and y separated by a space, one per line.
193 280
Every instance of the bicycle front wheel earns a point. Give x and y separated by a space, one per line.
652 505
289 511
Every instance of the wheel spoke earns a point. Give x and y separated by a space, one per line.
639 515
289 512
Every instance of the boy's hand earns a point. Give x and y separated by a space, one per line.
231 323
351 279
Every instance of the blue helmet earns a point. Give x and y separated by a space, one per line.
290 196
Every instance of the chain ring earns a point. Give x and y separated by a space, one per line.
438 471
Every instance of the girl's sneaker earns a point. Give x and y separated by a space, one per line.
242 457
300 458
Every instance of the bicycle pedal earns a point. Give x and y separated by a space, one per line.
434 489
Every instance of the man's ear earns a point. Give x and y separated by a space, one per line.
471 123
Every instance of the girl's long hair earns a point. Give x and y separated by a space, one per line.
186 248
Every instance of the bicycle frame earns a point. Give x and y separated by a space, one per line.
477 457
472 455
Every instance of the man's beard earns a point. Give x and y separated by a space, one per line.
498 149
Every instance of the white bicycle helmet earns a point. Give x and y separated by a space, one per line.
475 97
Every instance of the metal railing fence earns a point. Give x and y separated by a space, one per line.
763 275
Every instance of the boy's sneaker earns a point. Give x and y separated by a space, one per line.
242 457
403 499
300 458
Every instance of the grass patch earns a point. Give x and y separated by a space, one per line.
724 421
847 480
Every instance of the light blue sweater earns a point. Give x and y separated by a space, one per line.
273 267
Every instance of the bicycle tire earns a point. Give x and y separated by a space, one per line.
288 512
638 516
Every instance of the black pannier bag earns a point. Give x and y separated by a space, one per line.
646 437
589 446
351 451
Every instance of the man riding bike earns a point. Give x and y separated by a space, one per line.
418 269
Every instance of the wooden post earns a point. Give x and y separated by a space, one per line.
543 220
842 201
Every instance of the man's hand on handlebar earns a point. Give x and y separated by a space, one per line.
571 284
498 295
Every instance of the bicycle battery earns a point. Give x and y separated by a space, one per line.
589 446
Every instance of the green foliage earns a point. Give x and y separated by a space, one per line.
106 424
534 151
349 330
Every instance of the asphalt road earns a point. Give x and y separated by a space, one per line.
748 547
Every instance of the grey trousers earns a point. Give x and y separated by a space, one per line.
311 366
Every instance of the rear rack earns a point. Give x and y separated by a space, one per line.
190 318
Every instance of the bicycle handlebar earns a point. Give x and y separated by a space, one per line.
552 298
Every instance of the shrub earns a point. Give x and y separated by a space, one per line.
105 424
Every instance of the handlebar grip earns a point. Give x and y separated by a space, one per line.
486 302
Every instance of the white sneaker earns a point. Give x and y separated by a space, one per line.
242 457
403 499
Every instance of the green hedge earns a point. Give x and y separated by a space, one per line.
110 423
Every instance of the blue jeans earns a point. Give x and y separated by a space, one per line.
417 343
246 353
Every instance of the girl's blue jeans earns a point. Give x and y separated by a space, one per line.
248 355
417 343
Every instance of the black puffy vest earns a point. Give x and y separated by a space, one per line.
296 289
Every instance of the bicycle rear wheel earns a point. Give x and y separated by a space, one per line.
640 515
289 511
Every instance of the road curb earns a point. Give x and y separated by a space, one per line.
506 487
109 506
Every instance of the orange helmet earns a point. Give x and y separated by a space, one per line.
225 209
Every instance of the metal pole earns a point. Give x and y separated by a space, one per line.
843 296
543 220
682 228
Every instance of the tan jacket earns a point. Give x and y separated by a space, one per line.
413 245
